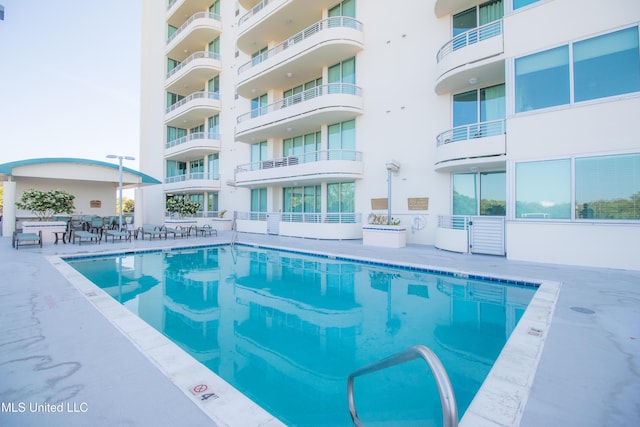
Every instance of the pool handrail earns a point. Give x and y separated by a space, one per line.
447 398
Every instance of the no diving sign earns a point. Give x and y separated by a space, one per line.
201 391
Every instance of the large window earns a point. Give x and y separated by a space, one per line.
477 16
491 186
542 79
304 148
258 200
301 200
602 66
607 65
214 165
543 189
608 187
343 72
259 105
342 141
258 155
174 133
341 199
478 106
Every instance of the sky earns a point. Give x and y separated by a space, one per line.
70 79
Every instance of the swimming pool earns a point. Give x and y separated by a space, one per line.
286 328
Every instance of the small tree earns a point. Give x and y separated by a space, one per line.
182 206
45 204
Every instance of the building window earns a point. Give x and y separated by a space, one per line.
175 168
344 72
543 189
477 106
258 155
607 65
517 4
304 148
602 66
342 141
214 127
258 200
608 187
542 79
214 166
492 190
213 202
302 200
259 105
174 133
344 8
341 199
476 17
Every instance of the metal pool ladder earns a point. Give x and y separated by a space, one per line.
447 399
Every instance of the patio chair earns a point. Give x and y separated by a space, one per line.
152 231
206 230
86 236
177 231
126 234
26 239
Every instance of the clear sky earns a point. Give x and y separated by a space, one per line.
70 79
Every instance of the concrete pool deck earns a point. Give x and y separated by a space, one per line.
57 349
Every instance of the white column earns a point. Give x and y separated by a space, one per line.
8 208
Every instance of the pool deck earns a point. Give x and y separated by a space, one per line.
59 353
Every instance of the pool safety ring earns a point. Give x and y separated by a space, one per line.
418 222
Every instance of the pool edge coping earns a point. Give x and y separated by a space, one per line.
500 401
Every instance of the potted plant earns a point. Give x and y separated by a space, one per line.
383 231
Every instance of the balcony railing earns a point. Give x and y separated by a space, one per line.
476 130
257 8
191 176
195 95
320 217
473 36
199 15
314 156
196 55
191 137
332 88
333 22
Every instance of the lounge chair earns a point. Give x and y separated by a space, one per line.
152 231
206 230
119 234
26 239
177 231
86 236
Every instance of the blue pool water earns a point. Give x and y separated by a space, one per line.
286 329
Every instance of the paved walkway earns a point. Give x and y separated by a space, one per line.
57 352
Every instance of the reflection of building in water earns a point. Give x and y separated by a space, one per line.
481 306
290 302
191 310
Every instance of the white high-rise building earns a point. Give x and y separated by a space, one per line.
508 127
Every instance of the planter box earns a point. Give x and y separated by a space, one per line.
386 236
221 224
48 229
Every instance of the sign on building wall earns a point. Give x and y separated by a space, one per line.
418 203
95 204
379 204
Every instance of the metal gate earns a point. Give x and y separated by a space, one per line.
486 235
273 223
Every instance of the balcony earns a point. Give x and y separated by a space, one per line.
449 7
199 67
475 55
301 57
178 9
272 20
480 145
194 145
302 112
193 110
194 35
190 182
303 169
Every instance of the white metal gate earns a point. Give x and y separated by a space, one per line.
273 223
486 235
